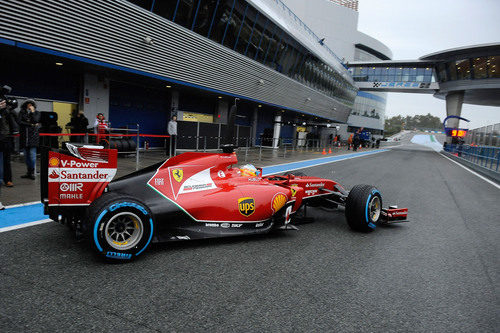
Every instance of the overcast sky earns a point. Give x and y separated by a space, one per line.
413 28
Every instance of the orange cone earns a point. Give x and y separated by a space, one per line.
324 152
330 151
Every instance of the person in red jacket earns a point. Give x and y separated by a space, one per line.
101 127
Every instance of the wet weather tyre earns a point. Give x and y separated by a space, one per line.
119 227
363 207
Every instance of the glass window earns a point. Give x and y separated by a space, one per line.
392 74
452 71
479 66
272 45
165 8
221 18
399 73
493 63
234 24
206 9
406 75
262 43
463 69
146 4
441 68
184 13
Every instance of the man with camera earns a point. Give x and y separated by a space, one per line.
8 127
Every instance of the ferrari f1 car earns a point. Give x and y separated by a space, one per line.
189 196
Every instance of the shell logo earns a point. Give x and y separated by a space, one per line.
53 162
279 200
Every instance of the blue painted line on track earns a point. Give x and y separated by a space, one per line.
30 213
275 169
19 215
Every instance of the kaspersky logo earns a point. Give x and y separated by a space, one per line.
54 174
246 206
178 174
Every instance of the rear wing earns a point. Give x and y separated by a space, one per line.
75 175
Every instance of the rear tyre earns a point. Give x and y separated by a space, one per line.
119 227
363 207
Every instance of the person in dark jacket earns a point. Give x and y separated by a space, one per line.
78 125
8 128
29 125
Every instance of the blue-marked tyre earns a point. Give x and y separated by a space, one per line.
363 207
119 227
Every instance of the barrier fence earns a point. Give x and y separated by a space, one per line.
485 156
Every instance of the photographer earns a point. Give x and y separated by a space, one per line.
29 123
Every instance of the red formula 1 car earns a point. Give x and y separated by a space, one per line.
189 196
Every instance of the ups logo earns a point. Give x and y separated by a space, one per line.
246 206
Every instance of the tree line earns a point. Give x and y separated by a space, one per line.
398 123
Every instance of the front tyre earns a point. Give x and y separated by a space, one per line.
363 207
120 227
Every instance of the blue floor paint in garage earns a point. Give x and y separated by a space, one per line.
25 214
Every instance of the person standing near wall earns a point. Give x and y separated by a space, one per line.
101 127
29 138
172 131
8 128
78 125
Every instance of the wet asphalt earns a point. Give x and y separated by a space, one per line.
438 273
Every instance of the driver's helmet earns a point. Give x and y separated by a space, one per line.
248 170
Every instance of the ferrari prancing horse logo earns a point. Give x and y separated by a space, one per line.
178 174
246 206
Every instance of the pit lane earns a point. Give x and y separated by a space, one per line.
437 273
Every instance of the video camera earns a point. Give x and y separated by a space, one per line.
10 101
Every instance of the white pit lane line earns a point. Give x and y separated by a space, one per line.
473 172
24 225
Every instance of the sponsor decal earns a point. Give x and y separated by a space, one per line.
117 255
178 174
311 192
115 206
54 175
159 181
418 85
221 174
259 225
246 206
279 200
71 196
288 214
81 175
73 187
76 164
315 185
254 179
200 181
195 187
53 162
224 225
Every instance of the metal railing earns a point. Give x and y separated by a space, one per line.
485 156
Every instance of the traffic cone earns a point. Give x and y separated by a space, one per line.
330 151
324 152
